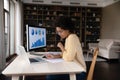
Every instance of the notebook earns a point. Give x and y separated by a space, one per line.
24 55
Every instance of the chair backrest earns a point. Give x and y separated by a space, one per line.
92 66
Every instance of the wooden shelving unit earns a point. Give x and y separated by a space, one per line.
87 21
91 25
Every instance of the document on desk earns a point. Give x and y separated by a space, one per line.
55 60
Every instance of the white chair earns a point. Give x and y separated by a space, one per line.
108 48
91 47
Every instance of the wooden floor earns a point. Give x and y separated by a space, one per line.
103 71
106 70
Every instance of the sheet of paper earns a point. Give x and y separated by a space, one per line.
54 53
55 60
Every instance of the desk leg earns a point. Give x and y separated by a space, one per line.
119 57
72 76
15 77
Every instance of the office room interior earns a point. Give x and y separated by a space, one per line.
97 24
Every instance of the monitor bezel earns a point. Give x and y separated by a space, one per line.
27 36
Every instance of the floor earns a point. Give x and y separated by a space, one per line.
106 70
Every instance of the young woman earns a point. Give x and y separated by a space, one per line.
71 51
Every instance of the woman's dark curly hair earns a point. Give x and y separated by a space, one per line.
64 23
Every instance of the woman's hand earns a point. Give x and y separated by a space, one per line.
52 56
49 56
60 45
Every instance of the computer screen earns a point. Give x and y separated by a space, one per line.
36 37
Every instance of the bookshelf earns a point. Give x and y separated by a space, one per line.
91 25
87 21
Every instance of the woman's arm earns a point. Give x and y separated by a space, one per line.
52 56
71 45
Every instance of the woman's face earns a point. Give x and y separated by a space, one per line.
62 33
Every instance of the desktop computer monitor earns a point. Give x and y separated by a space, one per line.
36 37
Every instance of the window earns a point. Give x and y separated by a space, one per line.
9 15
6 5
6 28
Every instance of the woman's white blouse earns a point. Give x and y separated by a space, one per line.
73 50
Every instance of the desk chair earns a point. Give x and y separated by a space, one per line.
92 66
91 47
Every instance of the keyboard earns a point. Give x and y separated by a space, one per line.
33 60
36 59
37 53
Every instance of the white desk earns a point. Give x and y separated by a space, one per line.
19 68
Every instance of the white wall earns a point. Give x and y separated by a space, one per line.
111 21
18 25
12 27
